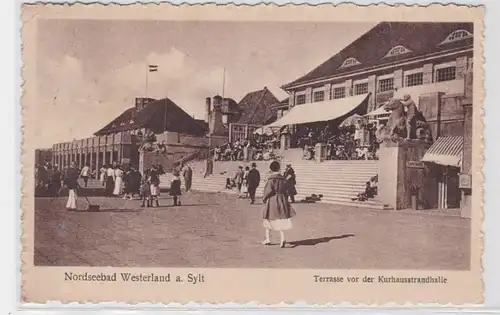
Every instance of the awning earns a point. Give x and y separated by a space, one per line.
320 111
445 151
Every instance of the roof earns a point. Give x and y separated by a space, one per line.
256 107
153 116
282 103
372 47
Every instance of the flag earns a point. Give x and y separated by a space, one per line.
153 68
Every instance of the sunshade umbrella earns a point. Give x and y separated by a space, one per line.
268 131
351 120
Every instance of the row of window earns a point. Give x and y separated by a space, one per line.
384 85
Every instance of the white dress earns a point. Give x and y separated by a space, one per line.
118 182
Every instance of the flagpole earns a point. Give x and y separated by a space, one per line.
223 82
165 114
146 87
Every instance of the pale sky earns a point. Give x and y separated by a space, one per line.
89 71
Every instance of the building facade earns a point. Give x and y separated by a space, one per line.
431 62
425 60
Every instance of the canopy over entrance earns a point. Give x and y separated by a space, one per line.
320 111
446 151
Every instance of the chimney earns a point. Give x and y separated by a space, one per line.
208 101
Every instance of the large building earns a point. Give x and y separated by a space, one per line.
428 61
118 141
393 59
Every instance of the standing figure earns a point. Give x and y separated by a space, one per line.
175 188
118 181
56 181
154 185
238 179
277 212
145 192
110 181
253 182
127 184
71 182
290 179
102 175
244 187
85 174
187 173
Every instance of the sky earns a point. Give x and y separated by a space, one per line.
89 71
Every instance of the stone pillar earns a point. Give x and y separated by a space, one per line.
112 155
91 158
308 95
466 193
400 166
461 67
291 100
372 88
328 91
85 157
427 70
398 79
348 88
97 162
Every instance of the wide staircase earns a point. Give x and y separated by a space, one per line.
336 182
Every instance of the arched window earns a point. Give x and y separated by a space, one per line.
457 35
397 50
349 62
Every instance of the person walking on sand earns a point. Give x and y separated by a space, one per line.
85 174
71 182
187 173
253 182
238 179
154 188
110 181
118 181
277 212
290 179
102 175
175 188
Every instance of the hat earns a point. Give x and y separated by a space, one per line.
289 165
254 164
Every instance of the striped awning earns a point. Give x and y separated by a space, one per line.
445 151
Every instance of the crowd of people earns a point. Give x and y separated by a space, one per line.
256 148
347 143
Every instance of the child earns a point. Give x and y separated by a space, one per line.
175 188
154 186
145 193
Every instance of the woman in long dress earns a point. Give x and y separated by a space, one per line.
277 212
110 181
102 175
118 181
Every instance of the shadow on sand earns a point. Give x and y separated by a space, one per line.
315 241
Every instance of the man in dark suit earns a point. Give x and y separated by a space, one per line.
253 182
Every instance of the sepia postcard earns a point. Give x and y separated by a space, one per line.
223 153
